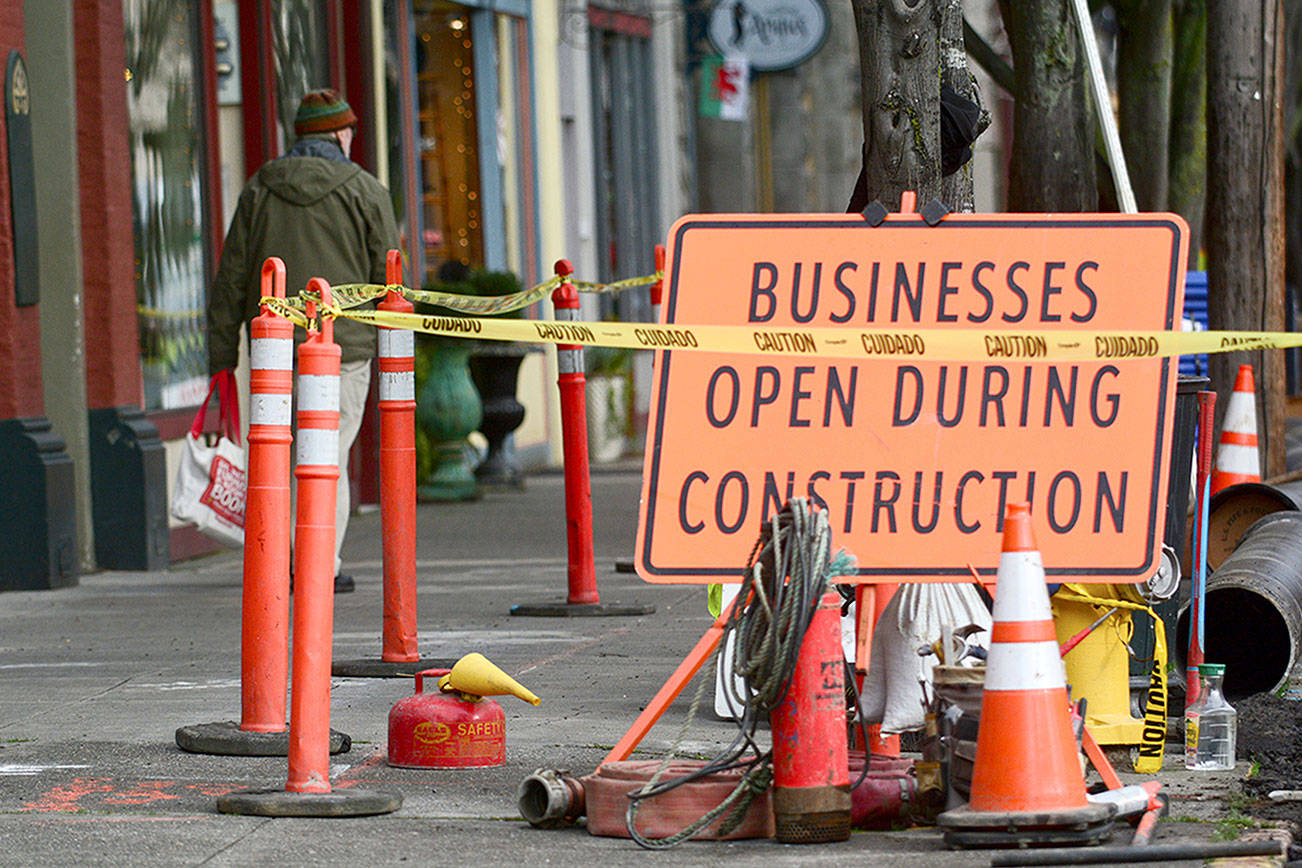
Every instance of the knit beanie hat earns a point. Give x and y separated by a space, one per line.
322 111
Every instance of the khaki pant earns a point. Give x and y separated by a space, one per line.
354 383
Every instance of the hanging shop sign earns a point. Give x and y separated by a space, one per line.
915 454
22 180
771 34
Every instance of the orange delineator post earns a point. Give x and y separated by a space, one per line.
572 382
264 637
870 602
397 405
658 288
317 471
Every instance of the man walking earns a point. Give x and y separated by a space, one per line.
325 217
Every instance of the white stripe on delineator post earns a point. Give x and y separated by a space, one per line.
318 392
396 343
397 386
269 409
271 354
317 446
1024 666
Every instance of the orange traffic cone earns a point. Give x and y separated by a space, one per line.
1027 784
1236 456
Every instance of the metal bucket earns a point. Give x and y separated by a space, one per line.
1253 610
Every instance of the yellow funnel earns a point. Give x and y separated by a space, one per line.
476 676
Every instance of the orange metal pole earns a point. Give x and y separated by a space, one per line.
264 638
398 474
870 602
666 695
317 471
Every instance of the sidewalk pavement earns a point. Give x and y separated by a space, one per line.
94 681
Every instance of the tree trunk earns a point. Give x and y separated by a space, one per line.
899 55
1052 165
1144 52
1245 237
956 189
1188 160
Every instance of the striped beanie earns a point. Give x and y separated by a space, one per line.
322 111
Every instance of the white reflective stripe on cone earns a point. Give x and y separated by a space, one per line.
1234 458
269 409
318 392
397 386
1241 413
317 446
396 343
1024 666
271 354
1021 605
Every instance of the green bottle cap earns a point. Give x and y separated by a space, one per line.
1211 669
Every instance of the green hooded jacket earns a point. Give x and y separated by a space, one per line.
325 217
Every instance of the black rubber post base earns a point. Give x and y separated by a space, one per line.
1073 827
346 802
378 668
578 610
227 739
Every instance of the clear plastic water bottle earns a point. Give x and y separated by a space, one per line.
1209 724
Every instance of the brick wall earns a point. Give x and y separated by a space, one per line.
20 327
108 243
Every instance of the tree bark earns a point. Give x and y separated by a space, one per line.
1245 229
956 189
1188 151
1144 54
1052 165
899 55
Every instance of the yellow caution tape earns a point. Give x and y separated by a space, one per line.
1153 736
350 295
618 285
830 342
283 307
483 305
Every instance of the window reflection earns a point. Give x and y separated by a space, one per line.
166 140
448 150
302 62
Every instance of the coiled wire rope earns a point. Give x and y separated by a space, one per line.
787 572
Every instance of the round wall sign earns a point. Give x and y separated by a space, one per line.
770 34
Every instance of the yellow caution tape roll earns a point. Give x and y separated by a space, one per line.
1153 736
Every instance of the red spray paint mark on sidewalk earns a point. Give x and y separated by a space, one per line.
85 793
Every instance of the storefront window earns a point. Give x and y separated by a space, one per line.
301 58
448 149
164 96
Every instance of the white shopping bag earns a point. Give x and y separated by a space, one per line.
210 481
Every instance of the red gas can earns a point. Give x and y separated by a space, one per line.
445 731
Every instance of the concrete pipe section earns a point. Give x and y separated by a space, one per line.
1253 620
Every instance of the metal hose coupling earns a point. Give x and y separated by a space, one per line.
551 798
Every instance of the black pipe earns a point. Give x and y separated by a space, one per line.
1151 853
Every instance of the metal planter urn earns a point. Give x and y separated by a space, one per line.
495 368
448 409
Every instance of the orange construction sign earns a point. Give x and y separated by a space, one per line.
915 454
